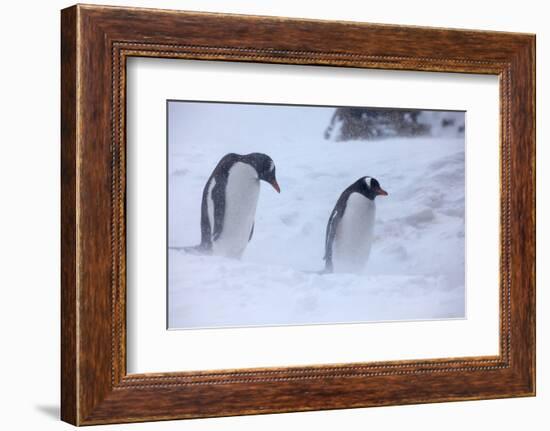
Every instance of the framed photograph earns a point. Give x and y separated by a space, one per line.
318 215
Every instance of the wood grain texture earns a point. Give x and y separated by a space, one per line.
69 365
96 41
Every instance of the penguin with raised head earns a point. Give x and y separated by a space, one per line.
229 201
350 227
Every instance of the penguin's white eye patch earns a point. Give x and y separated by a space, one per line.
271 166
368 181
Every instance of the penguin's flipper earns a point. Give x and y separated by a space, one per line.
251 232
218 194
329 240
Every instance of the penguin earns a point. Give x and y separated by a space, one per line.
350 228
229 201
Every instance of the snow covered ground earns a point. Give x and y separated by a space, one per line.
416 267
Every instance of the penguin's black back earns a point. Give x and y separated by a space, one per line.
220 175
333 221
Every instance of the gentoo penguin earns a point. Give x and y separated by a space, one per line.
350 227
229 202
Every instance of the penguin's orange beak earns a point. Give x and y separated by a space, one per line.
381 192
275 185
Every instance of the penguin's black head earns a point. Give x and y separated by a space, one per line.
265 167
370 188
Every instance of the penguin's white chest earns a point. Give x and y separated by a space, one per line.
354 235
241 199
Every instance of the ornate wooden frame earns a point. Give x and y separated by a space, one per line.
95 43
